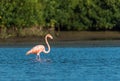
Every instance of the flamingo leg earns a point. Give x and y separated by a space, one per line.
38 57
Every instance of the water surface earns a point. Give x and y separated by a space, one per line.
61 64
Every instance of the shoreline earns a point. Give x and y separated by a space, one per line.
68 39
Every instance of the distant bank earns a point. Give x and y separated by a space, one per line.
69 36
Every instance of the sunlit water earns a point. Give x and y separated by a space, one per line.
61 64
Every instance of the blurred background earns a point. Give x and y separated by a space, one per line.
65 19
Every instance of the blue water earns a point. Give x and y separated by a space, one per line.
61 64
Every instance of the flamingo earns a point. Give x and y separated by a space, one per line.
40 48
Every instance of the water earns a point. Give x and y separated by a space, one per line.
61 64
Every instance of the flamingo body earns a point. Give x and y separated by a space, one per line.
36 49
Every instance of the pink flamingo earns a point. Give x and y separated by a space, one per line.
40 48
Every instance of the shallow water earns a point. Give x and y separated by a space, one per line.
61 64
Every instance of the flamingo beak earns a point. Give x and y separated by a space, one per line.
51 37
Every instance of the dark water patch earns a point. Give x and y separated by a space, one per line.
65 44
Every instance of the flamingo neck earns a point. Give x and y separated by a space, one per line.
47 45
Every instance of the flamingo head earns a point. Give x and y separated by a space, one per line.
50 36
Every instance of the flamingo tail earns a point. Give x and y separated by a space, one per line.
28 52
